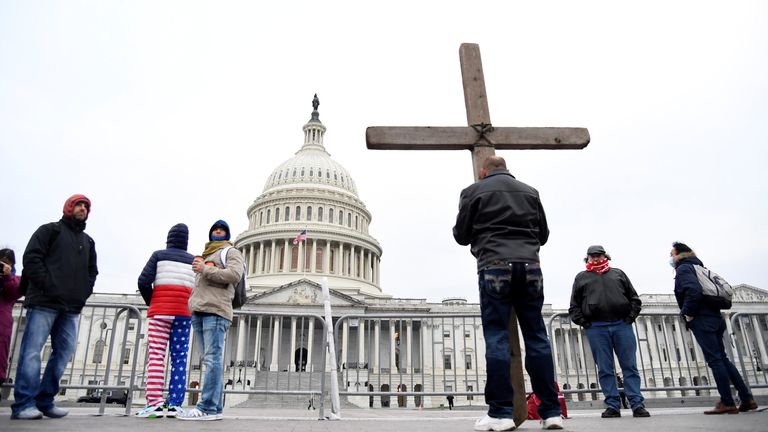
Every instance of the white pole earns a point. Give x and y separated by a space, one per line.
331 347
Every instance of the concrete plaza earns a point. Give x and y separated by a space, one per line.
82 419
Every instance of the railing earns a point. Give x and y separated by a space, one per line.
418 358
669 360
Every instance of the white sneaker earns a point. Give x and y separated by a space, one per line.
173 411
196 414
489 423
552 423
150 411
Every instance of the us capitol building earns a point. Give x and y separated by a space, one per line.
388 344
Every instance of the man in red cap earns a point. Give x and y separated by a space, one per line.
58 277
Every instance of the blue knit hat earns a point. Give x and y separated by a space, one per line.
222 224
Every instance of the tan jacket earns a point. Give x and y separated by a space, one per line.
214 288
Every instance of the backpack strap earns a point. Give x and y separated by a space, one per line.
223 255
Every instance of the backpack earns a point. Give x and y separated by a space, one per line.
717 292
240 289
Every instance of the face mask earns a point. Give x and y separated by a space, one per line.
672 261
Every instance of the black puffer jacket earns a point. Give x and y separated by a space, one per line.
503 219
60 266
603 297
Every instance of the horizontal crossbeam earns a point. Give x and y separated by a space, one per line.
466 138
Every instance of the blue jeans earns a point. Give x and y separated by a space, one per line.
519 286
709 331
604 340
30 390
211 332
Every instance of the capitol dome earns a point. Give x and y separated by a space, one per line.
311 193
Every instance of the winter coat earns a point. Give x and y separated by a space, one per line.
688 291
606 297
60 266
167 280
214 287
9 293
503 219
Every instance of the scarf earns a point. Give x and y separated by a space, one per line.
213 246
598 267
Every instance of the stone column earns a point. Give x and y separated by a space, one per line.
241 341
310 340
352 262
342 270
392 346
292 351
376 336
300 261
409 346
257 344
273 366
273 257
260 259
760 342
252 259
361 341
361 260
313 257
286 257
327 257
344 342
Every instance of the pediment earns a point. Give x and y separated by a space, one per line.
303 292
749 294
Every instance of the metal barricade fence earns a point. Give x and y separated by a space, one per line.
747 330
412 357
105 360
669 360
265 353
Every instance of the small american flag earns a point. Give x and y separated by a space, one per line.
301 237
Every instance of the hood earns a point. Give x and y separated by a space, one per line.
178 237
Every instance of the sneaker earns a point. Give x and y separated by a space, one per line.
55 412
552 423
196 414
172 410
150 411
610 413
721 408
640 412
30 413
748 405
489 423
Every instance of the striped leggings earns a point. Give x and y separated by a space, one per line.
170 332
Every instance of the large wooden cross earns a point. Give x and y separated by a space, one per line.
481 139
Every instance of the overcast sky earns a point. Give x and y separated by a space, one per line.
164 112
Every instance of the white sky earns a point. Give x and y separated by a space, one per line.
164 112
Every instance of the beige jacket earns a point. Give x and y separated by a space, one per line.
214 287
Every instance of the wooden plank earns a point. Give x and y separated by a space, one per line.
473 80
465 138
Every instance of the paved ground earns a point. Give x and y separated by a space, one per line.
380 420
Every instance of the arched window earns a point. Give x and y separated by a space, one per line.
341 217
294 258
349 220
311 172
302 171
298 213
335 177
330 215
355 221
287 213
309 213
277 214
319 260
332 261
307 259
261 218
268 213
98 351
294 172
319 214
280 258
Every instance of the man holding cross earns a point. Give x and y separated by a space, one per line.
503 220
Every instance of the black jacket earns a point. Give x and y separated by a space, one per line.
60 266
603 297
503 219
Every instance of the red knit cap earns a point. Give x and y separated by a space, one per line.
69 205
